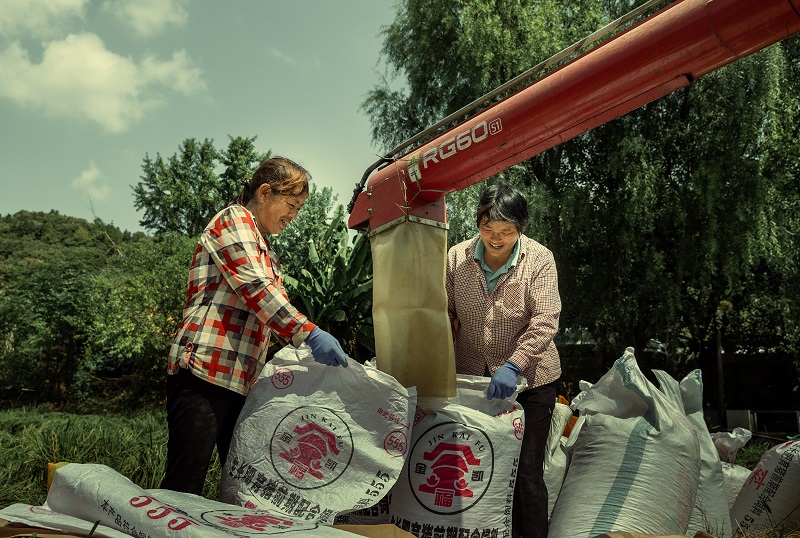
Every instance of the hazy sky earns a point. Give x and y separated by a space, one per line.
89 87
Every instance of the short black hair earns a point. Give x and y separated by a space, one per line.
503 202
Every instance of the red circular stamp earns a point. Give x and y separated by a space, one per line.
282 378
519 428
396 444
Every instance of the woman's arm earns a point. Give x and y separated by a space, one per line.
232 243
544 302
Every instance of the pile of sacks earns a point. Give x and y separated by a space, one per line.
316 448
640 459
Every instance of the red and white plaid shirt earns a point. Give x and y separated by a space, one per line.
516 322
235 299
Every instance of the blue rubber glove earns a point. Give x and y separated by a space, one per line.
504 381
326 349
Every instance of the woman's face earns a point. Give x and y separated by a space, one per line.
274 211
499 238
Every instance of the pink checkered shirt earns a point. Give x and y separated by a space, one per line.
235 299
516 322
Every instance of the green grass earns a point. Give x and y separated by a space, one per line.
750 454
134 445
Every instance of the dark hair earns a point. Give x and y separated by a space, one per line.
503 202
283 175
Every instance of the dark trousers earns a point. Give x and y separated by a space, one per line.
529 515
199 416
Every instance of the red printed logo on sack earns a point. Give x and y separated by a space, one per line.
282 378
247 523
175 520
311 447
395 444
450 467
519 428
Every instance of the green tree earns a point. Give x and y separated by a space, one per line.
657 218
292 245
46 261
182 193
135 305
447 54
43 333
328 272
335 288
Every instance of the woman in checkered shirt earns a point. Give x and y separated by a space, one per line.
504 305
234 302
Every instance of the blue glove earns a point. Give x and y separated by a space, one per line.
504 381
326 349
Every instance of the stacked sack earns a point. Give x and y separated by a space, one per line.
312 441
770 496
555 456
711 510
634 461
727 445
460 472
96 499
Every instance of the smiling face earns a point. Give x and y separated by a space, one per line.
274 211
499 238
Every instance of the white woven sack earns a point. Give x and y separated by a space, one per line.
583 386
634 463
770 496
44 518
728 443
735 477
318 440
555 456
711 510
461 469
92 492
377 514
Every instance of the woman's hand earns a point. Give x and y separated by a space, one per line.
326 349
504 381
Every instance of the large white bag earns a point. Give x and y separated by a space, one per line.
555 456
634 461
461 469
92 492
735 477
711 511
728 443
318 440
43 518
770 496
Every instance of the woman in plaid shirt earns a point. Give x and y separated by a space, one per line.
235 300
504 305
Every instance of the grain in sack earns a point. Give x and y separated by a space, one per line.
711 510
461 469
634 461
728 443
770 497
97 493
315 440
555 456
735 477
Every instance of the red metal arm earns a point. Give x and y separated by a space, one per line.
664 52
